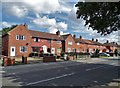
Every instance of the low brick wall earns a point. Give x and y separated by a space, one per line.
49 59
71 57
8 61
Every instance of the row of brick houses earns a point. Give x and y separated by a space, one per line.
22 41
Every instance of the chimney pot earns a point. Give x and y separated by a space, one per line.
58 32
74 36
80 37
26 26
92 39
107 41
96 40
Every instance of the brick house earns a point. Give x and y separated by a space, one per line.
84 45
68 45
17 42
46 42
22 41
80 44
110 46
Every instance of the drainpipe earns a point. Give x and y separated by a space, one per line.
50 45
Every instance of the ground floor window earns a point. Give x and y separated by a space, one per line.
69 49
23 49
78 50
58 50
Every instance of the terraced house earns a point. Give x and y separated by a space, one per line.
22 41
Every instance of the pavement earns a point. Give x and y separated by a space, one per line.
95 72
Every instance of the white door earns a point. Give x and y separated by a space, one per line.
53 50
12 51
44 49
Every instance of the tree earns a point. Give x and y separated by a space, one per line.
7 29
101 16
97 51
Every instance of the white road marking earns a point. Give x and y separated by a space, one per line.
112 63
65 75
2 71
93 68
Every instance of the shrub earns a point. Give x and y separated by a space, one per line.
62 53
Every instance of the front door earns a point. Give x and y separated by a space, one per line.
53 51
12 51
44 49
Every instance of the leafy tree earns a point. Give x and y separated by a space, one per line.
62 53
101 16
97 51
7 29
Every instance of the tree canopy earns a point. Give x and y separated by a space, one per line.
7 29
101 16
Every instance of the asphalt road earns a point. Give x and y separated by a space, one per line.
88 73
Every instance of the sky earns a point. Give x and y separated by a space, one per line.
48 16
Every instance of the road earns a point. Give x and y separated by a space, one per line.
88 73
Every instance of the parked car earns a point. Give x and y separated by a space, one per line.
94 55
104 54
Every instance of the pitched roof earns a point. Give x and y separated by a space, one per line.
65 36
110 44
97 43
88 41
85 41
45 35
79 40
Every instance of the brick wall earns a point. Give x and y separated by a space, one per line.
19 30
73 46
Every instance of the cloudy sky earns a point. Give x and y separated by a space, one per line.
48 16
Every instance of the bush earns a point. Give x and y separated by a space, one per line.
33 54
95 55
62 53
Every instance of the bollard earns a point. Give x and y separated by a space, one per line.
24 60
12 61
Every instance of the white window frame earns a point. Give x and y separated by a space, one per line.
78 43
22 49
69 42
20 37
58 50
17 37
38 39
35 39
24 38
58 42
69 50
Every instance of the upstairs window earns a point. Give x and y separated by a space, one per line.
36 39
78 43
20 37
58 42
69 42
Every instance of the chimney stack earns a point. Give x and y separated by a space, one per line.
92 39
58 33
74 36
80 37
107 41
26 26
96 40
